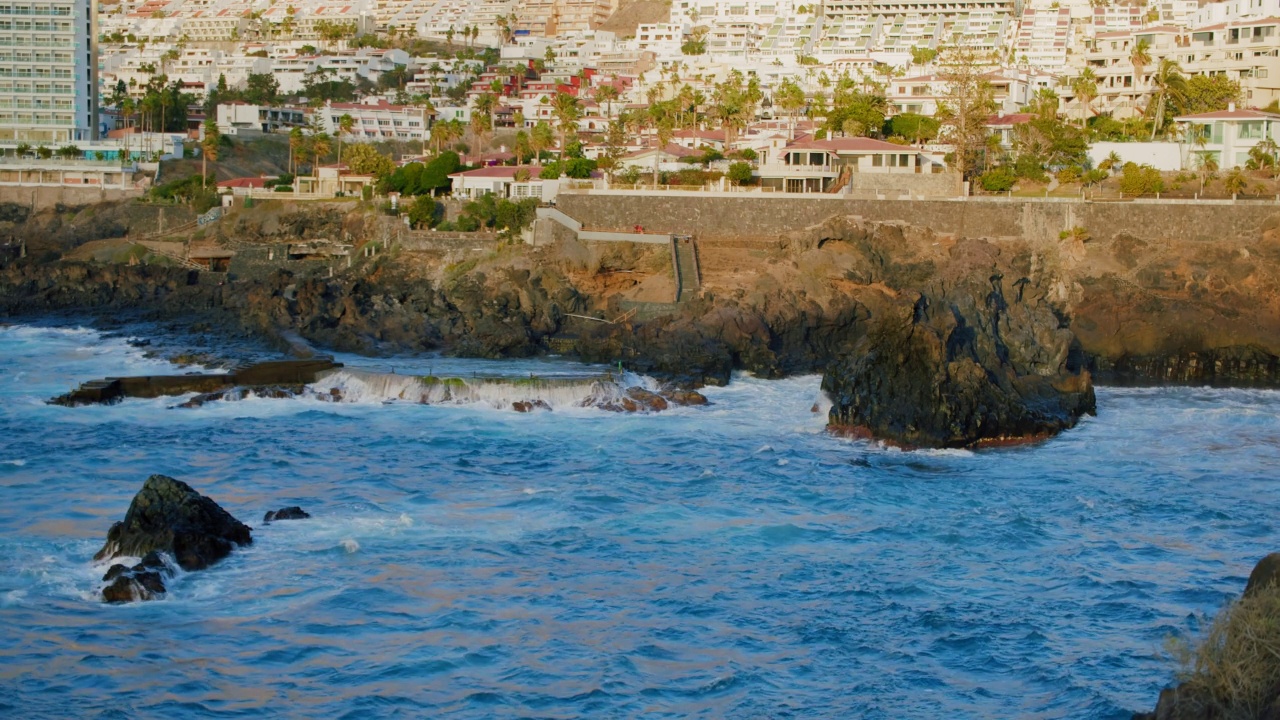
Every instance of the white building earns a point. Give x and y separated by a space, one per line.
377 121
49 71
1228 135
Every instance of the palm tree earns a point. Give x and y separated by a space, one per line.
208 148
566 110
1235 182
1263 157
541 138
296 142
663 130
522 147
481 125
1140 58
346 124
1085 86
1165 81
607 94
320 146
789 97
486 104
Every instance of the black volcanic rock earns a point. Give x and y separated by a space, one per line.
286 513
143 581
168 516
961 367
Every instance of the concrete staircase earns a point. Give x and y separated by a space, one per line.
684 257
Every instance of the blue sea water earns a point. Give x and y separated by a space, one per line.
726 561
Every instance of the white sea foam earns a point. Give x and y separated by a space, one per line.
17 463
358 386
350 545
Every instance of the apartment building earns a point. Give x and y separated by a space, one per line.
1247 51
377 121
561 17
1044 37
48 70
236 117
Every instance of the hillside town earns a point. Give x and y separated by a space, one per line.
526 98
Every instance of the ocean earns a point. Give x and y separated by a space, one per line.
730 560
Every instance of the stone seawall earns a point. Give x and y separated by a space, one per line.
46 196
764 217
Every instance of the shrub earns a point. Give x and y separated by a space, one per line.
424 211
1075 233
1140 180
1095 176
1234 671
999 179
1030 167
1069 174
740 173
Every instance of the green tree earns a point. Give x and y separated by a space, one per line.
262 89
740 173
966 104
423 211
789 97
345 125
1206 93
923 55
914 127
566 110
209 147
733 105
364 159
541 139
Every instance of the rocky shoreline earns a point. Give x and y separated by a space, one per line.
819 300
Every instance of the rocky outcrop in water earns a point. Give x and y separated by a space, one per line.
168 516
144 581
293 512
961 367
279 378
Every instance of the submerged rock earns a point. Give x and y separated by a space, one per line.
168 516
143 581
961 368
286 513
524 406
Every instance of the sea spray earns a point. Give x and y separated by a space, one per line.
357 386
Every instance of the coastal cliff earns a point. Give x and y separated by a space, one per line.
1186 311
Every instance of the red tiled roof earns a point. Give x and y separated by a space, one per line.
1010 119
244 182
499 171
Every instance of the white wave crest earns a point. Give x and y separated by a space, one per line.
357 386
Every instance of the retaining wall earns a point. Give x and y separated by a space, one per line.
766 217
46 196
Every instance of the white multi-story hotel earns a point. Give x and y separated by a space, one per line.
48 70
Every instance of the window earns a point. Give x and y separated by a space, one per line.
1251 130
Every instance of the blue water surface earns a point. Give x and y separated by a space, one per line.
726 561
